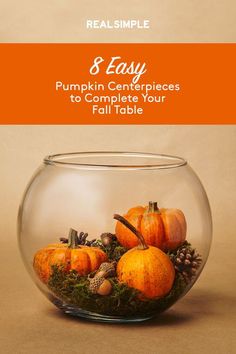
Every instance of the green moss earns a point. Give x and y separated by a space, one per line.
114 251
123 301
73 289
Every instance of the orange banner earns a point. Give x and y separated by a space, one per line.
118 83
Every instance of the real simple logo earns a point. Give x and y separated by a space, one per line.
118 24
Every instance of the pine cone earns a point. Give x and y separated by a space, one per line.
82 240
186 261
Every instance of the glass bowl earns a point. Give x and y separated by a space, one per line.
114 236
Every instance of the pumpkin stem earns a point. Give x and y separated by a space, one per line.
73 240
153 208
142 243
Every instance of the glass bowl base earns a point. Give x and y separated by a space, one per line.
96 317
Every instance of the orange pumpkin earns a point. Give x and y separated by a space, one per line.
83 259
162 228
145 268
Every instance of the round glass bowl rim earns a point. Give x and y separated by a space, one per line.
155 161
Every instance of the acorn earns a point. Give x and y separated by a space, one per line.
100 285
106 269
107 239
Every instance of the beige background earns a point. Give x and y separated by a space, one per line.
203 322
64 20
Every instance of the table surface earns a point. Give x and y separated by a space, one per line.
202 322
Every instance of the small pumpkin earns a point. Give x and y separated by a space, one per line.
163 228
83 259
124 235
145 268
